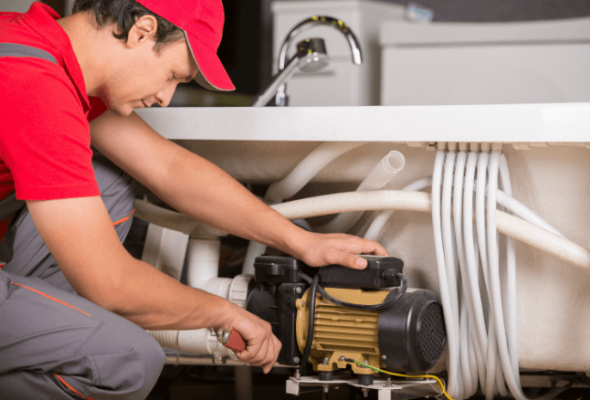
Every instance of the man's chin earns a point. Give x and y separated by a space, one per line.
123 111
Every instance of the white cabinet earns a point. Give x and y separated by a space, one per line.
491 63
341 83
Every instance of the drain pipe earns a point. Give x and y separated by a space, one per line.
203 271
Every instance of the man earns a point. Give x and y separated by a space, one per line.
73 303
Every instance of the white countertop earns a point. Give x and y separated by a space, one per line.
527 123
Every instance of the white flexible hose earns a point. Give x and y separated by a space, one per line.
469 368
516 207
381 219
449 251
471 276
309 167
421 202
511 321
453 385
388 167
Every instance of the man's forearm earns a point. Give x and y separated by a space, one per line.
214 197
167 304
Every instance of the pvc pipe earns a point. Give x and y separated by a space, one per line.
203 262
173 220
388 167
381 219
309 167
421 202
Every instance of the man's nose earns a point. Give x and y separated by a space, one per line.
164 96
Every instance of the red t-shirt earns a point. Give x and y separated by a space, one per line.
44 112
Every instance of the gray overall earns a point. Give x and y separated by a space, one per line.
55 344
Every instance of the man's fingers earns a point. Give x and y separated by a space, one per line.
270 358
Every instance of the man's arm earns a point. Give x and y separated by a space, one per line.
81 237
198 188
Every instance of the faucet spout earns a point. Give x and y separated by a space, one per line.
281 99
304 25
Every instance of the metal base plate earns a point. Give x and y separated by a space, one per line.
393 390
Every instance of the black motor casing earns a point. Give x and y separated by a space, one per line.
411 333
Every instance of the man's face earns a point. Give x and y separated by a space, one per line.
146 77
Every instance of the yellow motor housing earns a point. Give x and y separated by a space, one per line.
341 332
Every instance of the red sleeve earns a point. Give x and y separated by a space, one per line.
44 134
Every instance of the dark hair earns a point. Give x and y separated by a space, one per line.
125 13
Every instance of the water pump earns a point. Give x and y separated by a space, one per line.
327 316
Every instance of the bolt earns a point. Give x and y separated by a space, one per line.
326 389
342 358
298 290
297 374
297 360
326 360
388 384
365 392
384 357
303 304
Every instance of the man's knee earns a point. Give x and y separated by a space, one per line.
128 360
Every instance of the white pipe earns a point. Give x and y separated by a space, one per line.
469 368
523 212
494 265
254 250
381 219
203 262
388 167
300 176
503 199
421 202
511 321
449 251
309 167
453 386
173 220
471 275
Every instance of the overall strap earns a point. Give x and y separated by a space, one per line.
20 50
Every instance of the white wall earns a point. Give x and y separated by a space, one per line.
15 5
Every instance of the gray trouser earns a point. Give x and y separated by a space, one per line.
55 344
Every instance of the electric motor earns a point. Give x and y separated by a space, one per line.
406 336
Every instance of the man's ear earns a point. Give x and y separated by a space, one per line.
145 28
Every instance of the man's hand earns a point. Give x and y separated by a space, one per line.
337 248
262 347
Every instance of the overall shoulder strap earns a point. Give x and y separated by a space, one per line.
21 50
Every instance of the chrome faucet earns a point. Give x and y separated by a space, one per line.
311 56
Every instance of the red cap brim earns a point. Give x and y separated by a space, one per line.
212 74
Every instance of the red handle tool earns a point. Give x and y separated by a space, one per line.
231 339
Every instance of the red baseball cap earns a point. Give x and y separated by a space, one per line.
202 23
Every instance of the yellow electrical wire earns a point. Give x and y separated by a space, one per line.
440 382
